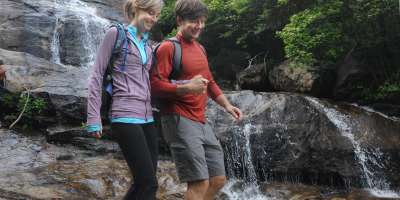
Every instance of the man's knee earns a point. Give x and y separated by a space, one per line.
217 182
198 186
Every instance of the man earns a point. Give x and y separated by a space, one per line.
195 149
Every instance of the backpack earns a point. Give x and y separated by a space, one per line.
176 66
177 58
118 50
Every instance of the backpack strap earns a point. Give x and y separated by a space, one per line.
176 58
116 51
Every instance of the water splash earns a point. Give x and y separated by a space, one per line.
235 190
240 165
369 159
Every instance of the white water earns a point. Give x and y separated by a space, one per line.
378 185
90 20
55 44
241 155
248 191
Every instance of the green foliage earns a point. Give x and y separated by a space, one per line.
13 104
9 100
314 34
307 32
34 105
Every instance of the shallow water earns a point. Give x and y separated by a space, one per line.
34 169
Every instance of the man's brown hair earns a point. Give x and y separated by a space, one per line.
190 9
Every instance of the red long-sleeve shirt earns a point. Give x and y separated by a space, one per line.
194 62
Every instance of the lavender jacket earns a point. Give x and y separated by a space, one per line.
131 87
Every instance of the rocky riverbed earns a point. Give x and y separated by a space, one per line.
34 169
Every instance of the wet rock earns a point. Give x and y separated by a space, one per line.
96 145
302 79
294 137
109 9
46 28
255 78
62 87
26 27
79 39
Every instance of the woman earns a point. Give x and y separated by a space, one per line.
131 117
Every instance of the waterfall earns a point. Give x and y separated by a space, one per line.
55 43
92 29
239 161
368 158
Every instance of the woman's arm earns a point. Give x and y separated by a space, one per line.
96 80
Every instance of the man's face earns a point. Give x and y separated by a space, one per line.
191 29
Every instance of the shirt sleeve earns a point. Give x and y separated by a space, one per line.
96 78
213 89
160 84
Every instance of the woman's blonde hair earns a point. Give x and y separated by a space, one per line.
131 7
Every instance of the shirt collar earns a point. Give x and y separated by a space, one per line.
133 31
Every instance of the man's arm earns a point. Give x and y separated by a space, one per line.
216 94
234 111
161 85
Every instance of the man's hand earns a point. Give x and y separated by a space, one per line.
235 112
96 134
197 85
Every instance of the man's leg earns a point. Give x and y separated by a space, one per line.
215 184
196 190
185 139
215 163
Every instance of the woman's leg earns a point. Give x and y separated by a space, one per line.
151 135
133 143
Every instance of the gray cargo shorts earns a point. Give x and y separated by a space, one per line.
195 149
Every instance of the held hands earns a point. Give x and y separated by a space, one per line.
198 85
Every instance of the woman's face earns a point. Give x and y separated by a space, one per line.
145 19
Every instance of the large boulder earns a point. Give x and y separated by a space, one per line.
294 137
290 77
63 31
109 9
64 88
254 77
27 27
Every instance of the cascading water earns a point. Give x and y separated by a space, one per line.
369 159
55 43
92 29
240 166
